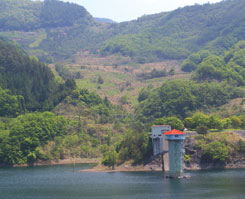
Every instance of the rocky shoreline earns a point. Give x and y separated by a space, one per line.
157 167
154 165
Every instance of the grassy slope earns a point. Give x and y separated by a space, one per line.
119 75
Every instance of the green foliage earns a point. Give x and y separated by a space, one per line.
100 80
56 13
153 74
168 35
143 94
84 95
27 134
212 67
94 105
187 158
110 159
201 129
180 97
193 60
235 122
175 34
10 105
202 122
198 119
135 145
28 15
216 122
31 79
144 47
65 73
217 147
174 122
229 68
216 152
19 15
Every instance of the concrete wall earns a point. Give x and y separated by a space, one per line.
158 139
159 143
176 158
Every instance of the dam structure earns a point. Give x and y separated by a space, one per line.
160 144
176 151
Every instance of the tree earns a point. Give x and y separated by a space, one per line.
135 144
100 80
201 129
27 77
110 159
143 94
28 134
9 104
188 66
215 122
199 119
236 122
174 122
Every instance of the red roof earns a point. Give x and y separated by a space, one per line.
174 132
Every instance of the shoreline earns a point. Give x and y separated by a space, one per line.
127 166
119 169
59 162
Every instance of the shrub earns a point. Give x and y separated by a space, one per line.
216 152
202 129
187 158
174 122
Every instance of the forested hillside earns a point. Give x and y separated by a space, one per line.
210 67
50 27
214 82
174 35
32 81
26 135
169 35
26 15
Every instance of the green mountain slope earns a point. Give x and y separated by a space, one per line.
54 29
26 15
47 29
175 34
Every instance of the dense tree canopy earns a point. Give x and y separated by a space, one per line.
26 76
180 97
210 67
23 141
29 15
10 105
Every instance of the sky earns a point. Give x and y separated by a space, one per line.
126 10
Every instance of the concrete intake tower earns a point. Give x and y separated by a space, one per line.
176 153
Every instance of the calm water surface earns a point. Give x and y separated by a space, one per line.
59 182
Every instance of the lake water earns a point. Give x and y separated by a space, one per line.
60 182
